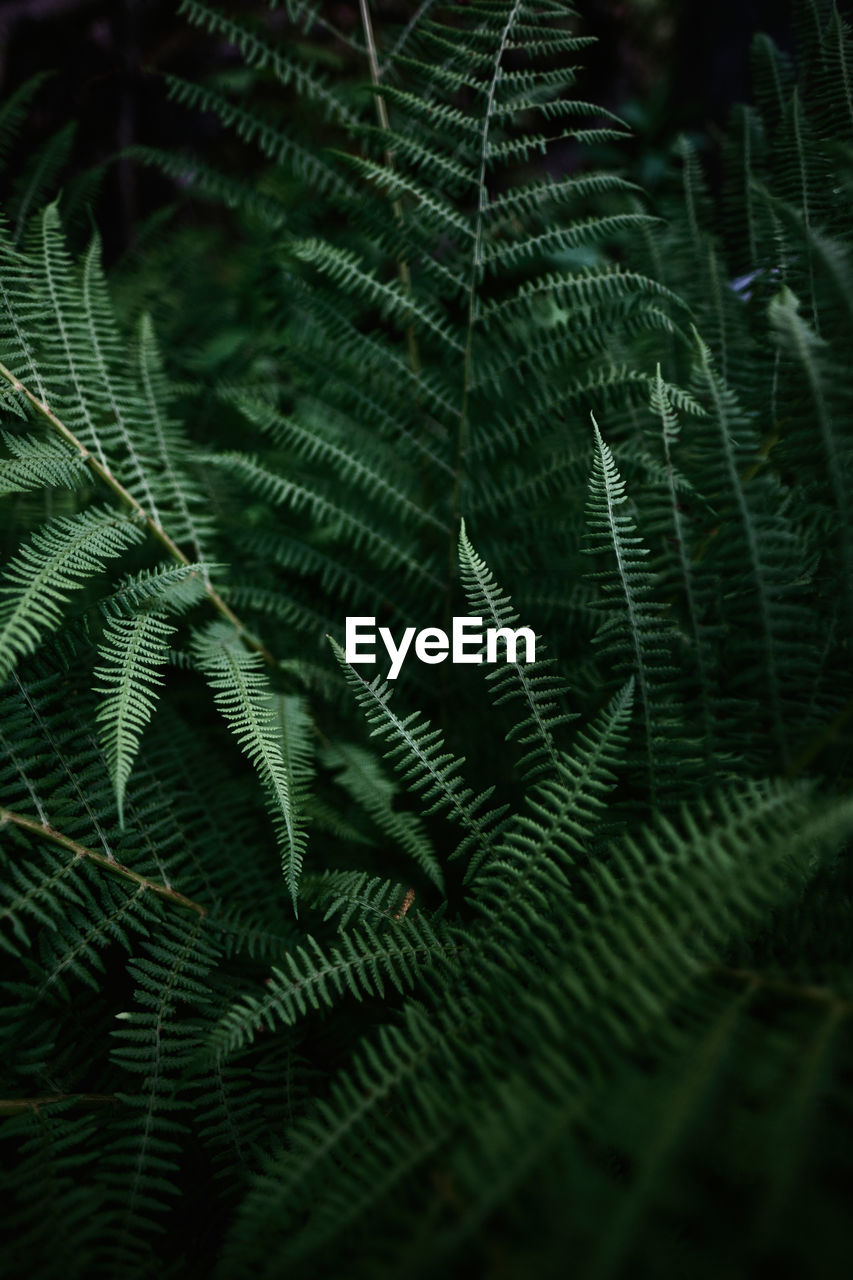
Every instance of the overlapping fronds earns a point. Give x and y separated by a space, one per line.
360 965
365 391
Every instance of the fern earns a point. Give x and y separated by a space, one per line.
417 752
246 701
361 965
636 633
537 688
133 649
567 971
58 559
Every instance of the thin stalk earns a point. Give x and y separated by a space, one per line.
396 204
14 1106
153 526
46 832
794 990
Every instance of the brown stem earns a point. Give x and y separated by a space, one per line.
797 990
46 832
153 526
13 1106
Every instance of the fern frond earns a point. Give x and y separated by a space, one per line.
344 268
180 495
57 560
271 140
349 894
418 755
557 827
535 685
132 651
360 964
261 54
155 1045
361 775
280 491
211 185
36 464
348 464
243 696
637 626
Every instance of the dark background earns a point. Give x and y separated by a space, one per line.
667 65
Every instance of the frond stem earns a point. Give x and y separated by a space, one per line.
796 990
396 204
476 262
45 832
14 1106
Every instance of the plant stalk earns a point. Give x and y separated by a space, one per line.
46 832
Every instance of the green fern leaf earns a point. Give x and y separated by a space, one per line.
361 775
535 685
132 651
242 694
418 755
57 560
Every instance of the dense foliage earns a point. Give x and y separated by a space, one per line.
507 970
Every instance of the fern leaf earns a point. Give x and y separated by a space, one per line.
360 964
344 269
56 561
280 491
348 894
535 685
361 775
243 696
36 464
418 755
558 825
132 651
636 625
